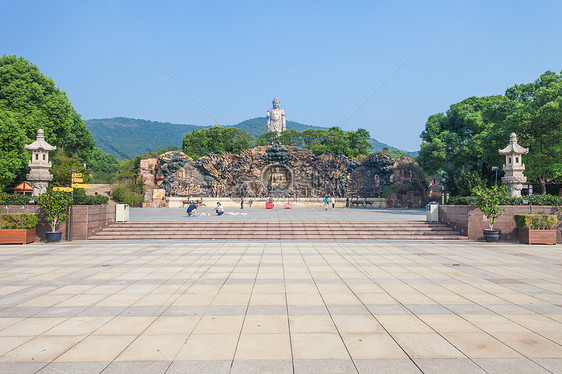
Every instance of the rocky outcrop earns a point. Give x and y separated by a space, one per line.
281 171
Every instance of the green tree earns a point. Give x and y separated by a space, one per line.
28 101
464 138
291 137
62 171
537 120
267 138
489 200
217 140
55 204
103 165
359 142
337 142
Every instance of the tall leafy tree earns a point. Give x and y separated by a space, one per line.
464 139
537 121
216 140
28 101
467 138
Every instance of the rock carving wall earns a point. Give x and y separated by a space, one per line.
277 171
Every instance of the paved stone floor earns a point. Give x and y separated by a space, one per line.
280 307
260 214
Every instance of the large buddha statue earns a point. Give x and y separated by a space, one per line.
276 118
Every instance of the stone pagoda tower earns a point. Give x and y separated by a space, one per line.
514 166
39 165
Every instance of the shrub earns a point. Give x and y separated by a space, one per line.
18 220
488 200
55 204
550 200
13 199
536 221
129 191
89 200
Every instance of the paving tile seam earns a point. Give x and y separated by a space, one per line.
207 307
370 312
487 333
344 280
88 334
287 309
332 318
246 312
423 322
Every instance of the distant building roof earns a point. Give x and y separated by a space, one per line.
22 188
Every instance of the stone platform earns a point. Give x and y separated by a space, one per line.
228 202
202 306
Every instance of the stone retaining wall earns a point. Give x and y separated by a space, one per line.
469 220
87 219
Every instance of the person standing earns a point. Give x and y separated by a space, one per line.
347 202
326 203
333 202
242 202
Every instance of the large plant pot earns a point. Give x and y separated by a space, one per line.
537 236
17 236
53 236
492 235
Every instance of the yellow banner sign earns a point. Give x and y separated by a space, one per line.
77 175
65 189
77 180
80 185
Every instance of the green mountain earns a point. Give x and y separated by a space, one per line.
129 137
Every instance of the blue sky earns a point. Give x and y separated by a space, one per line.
323 59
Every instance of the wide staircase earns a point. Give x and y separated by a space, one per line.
278 230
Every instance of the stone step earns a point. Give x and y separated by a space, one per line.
251 229
278 231
280 237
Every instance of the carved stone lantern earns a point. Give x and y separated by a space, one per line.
39 165
514 166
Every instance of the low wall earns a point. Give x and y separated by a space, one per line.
469 220
87 219
230 202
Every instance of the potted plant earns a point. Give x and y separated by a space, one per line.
17 228
536 228
488 200
55 204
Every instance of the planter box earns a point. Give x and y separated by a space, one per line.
17 236
537 236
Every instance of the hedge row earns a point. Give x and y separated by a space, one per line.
531 199
536 221
79 199
18 220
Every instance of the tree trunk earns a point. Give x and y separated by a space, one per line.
542 181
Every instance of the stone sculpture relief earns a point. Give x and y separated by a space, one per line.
279 171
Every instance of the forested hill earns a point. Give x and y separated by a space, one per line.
129 137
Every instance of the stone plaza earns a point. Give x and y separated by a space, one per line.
301 306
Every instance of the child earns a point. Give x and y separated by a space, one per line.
219 209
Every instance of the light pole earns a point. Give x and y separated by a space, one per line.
495 168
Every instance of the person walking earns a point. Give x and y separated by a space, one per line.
347 203
333 202
326 203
